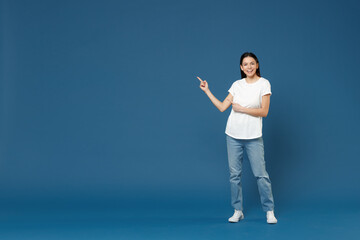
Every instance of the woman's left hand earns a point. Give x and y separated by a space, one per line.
238 108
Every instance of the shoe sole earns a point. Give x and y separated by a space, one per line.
240 218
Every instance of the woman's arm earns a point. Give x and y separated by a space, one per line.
256 112
222 106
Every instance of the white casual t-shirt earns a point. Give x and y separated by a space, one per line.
241 125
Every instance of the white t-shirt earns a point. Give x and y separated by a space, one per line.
241 125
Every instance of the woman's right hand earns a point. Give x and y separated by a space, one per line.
203 85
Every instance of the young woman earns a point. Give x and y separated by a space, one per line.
250 100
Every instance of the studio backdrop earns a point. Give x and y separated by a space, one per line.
100 100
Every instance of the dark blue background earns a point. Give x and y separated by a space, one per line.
100 101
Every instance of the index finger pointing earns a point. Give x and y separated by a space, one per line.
199 79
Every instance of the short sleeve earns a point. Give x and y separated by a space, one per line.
266 88
232 90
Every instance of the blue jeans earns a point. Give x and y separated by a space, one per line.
255 152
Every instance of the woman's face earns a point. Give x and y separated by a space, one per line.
249 66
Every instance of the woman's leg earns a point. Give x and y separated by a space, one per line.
255 151
235 158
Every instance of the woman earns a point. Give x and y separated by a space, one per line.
250 100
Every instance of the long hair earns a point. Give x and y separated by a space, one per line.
249 54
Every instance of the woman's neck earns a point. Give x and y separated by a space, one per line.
252 79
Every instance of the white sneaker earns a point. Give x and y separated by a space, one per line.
238 215
270 217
